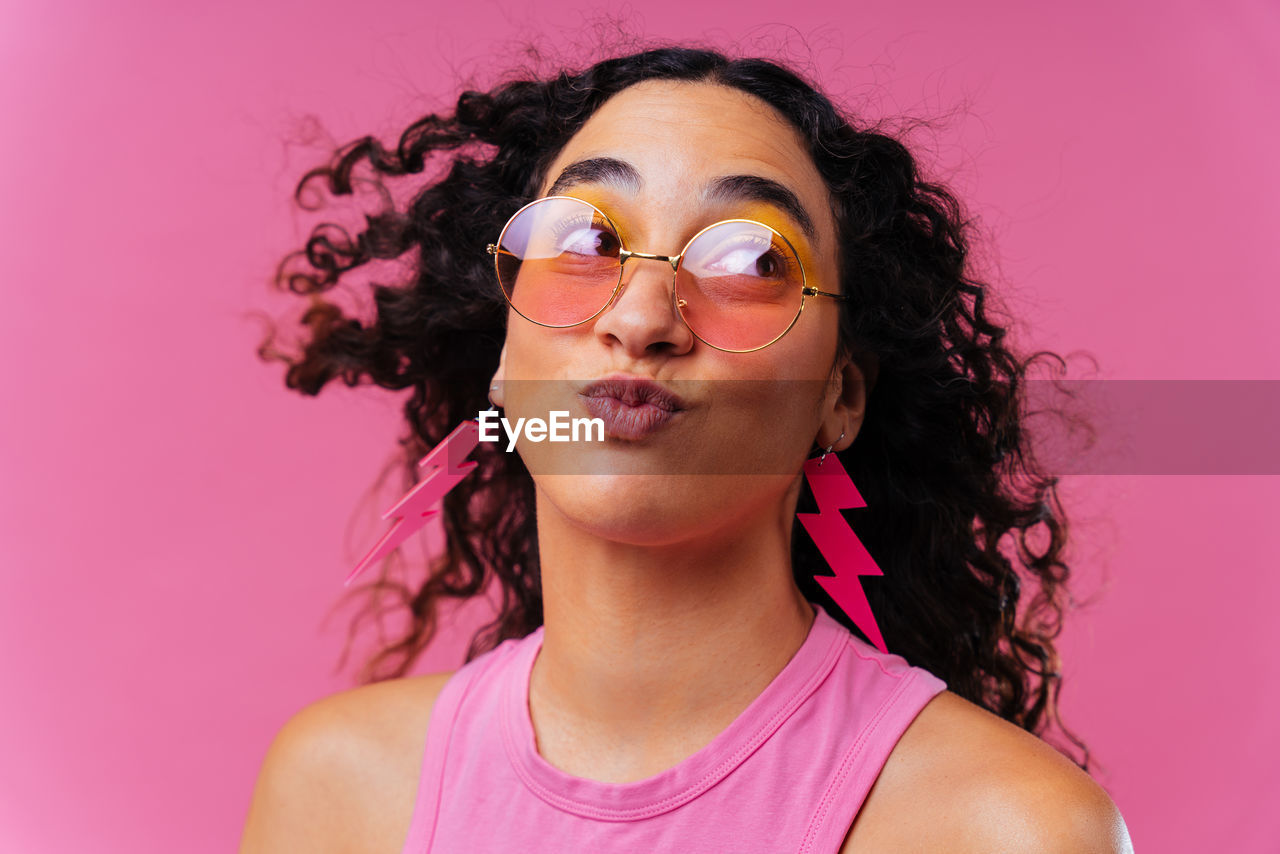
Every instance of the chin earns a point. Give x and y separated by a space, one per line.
652 509
637 509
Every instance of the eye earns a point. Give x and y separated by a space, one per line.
747 255
585 236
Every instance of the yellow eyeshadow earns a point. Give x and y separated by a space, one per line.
780 222
758 211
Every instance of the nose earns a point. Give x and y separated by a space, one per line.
643 319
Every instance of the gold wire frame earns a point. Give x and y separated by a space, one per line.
624 254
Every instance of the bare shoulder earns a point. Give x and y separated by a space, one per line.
342 773
962 779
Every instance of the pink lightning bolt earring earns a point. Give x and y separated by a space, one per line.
848 558
442 469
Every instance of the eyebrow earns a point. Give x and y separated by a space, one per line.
726 188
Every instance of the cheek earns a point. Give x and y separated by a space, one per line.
776 401
761 419
539 376
527 354
777 421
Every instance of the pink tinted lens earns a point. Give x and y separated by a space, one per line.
739 285
558 261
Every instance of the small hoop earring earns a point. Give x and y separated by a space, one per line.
827 450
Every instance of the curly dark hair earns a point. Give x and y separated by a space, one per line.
943 458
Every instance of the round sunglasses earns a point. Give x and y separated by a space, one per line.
738 284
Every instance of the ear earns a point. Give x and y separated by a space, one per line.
499 376
852 380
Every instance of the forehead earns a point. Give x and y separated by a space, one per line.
680 136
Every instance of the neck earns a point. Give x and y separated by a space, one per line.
649 652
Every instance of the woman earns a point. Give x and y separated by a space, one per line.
666 674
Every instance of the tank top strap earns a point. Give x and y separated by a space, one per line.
441 724
860 765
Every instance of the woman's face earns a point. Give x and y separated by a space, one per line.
747 421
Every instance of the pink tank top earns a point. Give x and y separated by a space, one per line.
789 774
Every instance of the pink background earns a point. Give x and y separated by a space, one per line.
176 525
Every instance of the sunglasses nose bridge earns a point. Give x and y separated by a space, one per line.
673 260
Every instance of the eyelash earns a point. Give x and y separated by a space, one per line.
564 226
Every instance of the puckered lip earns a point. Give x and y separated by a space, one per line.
634 390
